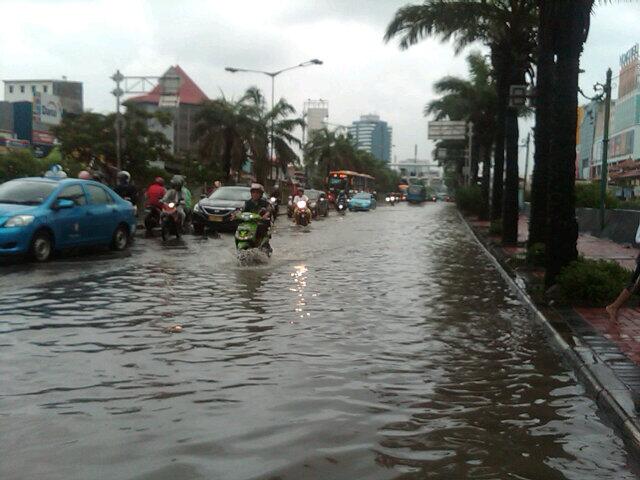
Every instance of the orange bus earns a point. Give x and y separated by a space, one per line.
350 182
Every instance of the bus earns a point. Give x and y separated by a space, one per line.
350 182
417 192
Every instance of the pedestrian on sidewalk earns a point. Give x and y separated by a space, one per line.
631 287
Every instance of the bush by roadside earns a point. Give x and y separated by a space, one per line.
591 283
588 196
469 200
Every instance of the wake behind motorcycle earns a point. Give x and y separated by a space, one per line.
170 221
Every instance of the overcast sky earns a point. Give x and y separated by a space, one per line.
89 40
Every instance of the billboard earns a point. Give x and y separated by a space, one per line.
447 130
42 137
628 81
47 109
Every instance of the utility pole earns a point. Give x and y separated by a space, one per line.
468 159
526 167
118 92
605 148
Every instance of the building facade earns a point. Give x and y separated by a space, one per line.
372 135
624 128
183 107
35 107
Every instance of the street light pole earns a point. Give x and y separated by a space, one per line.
273 76
605 148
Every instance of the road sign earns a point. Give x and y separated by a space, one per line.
447 130
518 96
450 153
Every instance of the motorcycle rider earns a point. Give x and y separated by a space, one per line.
174 195
342 197
258 204
155 192
125 189
300 196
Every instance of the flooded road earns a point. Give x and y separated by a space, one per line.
381 345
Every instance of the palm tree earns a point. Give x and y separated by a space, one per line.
508 28
222 129
275 124
473 100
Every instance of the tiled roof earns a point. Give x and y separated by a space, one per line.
188 92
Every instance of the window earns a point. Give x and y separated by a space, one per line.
74 193
10 88
33 89
21 88
99 195
45 88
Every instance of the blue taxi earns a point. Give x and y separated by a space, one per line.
41 215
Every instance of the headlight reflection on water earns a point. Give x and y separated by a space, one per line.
299 277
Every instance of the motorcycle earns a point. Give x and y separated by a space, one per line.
151 217
247 233
301 214
170 221
341 207
391 200
275 207
290 207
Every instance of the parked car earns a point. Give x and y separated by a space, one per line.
443 197
362 201
318 203
215 212
41 215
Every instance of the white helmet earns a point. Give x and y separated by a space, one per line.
257 186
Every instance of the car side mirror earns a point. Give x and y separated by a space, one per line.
63 203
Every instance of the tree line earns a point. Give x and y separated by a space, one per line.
534 42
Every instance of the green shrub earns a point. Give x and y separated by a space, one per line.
20 163
588 196
496 227
535 254
633 204
593 283
469 200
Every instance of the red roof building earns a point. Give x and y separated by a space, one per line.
188 92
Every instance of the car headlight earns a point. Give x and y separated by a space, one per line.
19 221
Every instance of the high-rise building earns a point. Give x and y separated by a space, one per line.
316 113
372 135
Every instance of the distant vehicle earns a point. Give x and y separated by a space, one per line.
39 216
416 193
443 197
318 203
403 186
350 182
215 212
362 201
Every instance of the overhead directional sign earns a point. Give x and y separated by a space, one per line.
447 130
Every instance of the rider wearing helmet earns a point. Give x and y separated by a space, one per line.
174 195
84 175
125 189
155 192
258 204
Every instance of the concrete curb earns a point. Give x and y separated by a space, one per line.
611 395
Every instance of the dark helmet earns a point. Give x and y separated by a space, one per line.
177 181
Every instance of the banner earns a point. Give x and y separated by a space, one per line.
47 109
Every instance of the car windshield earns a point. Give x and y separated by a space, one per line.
25 192
312 194
363 195
231 194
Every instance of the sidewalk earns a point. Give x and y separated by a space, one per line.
592 325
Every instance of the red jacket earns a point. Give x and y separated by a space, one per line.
155 192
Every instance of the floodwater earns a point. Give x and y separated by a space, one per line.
380 345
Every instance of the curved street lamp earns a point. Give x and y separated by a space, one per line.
273 75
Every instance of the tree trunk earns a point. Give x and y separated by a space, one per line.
561 247
502 86
538 219
475 159
226 157
511 207
485 152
